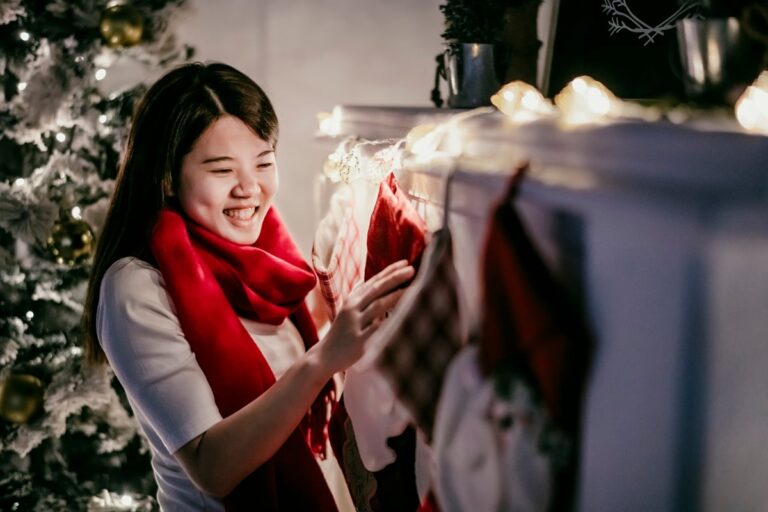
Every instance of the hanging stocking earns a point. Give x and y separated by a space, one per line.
424 334
338 252
531 331
395 232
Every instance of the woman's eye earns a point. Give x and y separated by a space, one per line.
265 165
221 171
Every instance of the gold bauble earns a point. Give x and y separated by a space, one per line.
71 241
21 397
121 24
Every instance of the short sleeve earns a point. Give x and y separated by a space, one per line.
143 341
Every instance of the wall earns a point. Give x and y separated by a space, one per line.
310 55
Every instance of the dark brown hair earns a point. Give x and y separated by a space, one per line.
170 117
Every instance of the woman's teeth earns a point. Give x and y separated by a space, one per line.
241 213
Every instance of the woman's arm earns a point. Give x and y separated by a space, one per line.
225 454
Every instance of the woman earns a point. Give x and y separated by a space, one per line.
196 300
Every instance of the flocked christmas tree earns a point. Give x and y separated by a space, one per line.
67 440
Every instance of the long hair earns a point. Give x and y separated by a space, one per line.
168 120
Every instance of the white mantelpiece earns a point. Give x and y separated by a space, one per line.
667 228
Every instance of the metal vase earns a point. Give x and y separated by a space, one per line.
715 55
474 72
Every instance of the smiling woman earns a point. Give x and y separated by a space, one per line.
228 180
197 301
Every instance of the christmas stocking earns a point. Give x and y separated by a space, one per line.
395 232
338 252
531 331
423 334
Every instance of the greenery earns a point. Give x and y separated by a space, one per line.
477 21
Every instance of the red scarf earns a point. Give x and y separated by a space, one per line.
211 281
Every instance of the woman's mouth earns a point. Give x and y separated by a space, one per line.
241 213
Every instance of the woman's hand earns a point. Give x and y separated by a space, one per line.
361 315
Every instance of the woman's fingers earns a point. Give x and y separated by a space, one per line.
378 286
380 306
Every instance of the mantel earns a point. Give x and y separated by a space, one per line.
707 158
663 225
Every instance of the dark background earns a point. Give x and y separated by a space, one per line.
583 45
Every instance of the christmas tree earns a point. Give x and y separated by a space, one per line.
67 439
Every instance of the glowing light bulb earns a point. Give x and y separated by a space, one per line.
77 213
103 118
100 74
522 102
29 315
585 100
61 137
24 35
330 123
752 106
21 86
579 85
424 139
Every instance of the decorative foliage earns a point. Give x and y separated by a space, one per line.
477 21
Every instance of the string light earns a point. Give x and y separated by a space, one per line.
29 316
585 100
24 35
522 102
103 118
21 86
77 213
329 124
752 106
61 137
100 74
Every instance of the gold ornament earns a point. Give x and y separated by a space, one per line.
121 24
71 241
21 397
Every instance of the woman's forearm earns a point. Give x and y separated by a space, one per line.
233 448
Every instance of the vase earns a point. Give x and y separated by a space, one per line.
716 56
474 72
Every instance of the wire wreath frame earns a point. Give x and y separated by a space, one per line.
623 19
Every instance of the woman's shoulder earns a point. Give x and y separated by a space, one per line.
133 298
131 278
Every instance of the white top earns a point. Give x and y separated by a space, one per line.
140 333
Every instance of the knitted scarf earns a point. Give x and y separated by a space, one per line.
211 282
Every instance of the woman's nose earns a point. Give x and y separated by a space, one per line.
247 186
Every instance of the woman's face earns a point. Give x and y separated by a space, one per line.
228 180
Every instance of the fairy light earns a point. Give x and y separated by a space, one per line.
29 315
100 74
585 100
752 106
423 140
329 124
103 118
19 182
21 86
77 213
522 103
61 137
24 35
